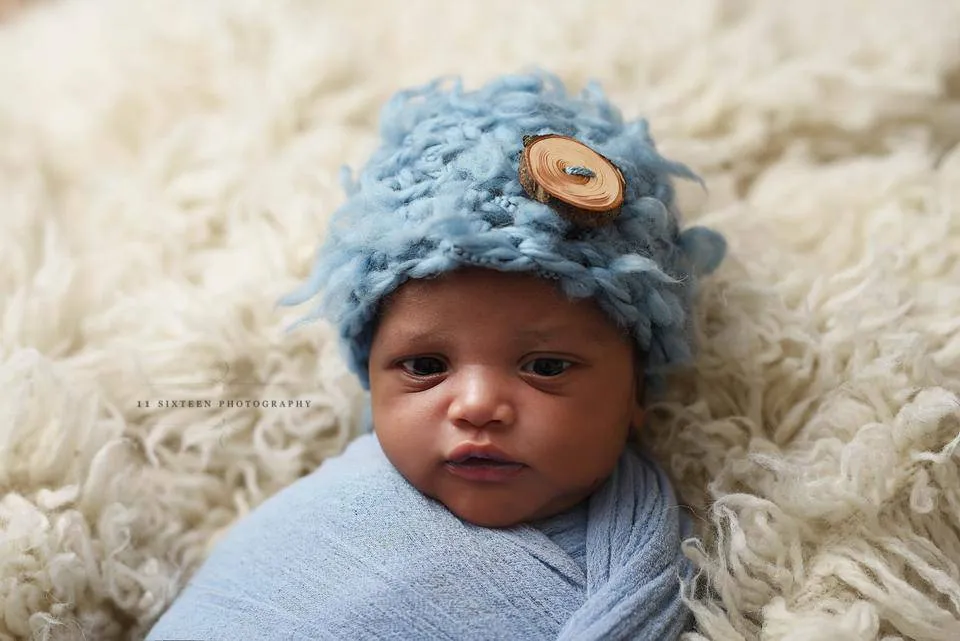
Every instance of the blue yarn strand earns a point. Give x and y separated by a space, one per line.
586 172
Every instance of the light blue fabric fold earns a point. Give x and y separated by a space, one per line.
354 552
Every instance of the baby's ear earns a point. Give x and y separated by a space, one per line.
639 412
638 417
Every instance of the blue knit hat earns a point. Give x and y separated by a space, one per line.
443 191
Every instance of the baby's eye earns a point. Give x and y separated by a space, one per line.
424 366
547 366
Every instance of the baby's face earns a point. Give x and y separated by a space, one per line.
480 363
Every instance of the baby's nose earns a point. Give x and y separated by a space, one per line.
482 398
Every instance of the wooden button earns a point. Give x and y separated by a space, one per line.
579 183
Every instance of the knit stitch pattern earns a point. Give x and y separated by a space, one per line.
442 192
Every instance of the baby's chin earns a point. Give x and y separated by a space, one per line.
520 500
489 516
486 507
501 507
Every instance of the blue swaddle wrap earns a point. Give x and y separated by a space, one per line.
354 552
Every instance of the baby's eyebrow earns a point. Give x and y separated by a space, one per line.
549 333
419 335
539 335
526 338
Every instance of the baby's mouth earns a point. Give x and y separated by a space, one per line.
481 468
483 461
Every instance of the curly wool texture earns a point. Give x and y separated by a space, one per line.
442 192
166 169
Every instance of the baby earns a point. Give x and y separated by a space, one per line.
507 276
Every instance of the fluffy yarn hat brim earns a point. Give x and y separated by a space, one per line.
442 192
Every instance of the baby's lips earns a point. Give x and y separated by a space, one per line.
475 461
482 451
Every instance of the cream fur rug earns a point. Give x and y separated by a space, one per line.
166 170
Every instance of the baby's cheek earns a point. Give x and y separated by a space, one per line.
590 429
576 461
406 455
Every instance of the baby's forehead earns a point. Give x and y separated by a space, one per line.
521 306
